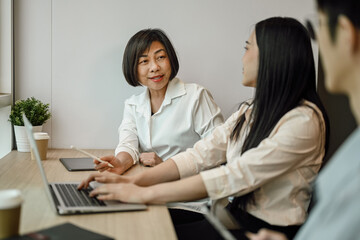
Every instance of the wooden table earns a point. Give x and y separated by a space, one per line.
18 171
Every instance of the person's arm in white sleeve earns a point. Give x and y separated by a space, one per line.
170 170
208 152
126 153
128 135
206 114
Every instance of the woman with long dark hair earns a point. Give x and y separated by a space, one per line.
264 157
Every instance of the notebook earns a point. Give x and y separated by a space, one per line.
66 231
66 199
78 164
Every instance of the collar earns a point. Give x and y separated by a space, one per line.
176 88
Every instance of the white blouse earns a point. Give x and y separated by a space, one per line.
187 114
279 170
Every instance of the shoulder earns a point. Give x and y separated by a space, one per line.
198 93
192 92
137 99
194 87
304 120
190 88
178 88
307 111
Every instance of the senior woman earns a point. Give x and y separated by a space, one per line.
169 116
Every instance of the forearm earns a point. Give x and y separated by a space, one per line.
126 161
187 189
123 188
164 172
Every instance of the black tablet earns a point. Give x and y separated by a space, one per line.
78 164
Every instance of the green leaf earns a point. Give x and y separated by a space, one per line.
36 111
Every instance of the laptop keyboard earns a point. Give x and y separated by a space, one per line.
73 197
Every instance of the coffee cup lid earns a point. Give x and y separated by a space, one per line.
10 198
41 135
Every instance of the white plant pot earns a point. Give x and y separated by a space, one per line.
22 141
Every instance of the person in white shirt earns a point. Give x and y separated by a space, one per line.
265 155
169 116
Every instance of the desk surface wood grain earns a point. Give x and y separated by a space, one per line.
18 171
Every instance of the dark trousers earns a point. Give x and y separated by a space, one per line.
190 225
253 224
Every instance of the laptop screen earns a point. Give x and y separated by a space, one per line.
30 134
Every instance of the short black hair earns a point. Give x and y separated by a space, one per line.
137 45
334 8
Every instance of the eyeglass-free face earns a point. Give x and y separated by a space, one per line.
250 62
154 68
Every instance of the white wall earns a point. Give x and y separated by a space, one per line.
69 54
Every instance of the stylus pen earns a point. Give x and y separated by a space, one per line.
90 155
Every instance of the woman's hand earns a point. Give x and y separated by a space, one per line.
150 159
125 192
103 166
265 234
105 177
121 163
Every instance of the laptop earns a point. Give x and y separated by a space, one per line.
64 197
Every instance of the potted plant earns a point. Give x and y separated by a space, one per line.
37 113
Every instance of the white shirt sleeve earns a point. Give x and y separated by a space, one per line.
207 115
128 137
208 152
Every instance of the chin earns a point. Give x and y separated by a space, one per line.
248 84
332 85
245 83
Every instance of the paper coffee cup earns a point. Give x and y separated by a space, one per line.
41 139
10 206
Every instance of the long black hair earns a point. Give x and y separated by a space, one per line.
286 77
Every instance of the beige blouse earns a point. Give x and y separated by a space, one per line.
280 169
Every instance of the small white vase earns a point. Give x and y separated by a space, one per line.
22 141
